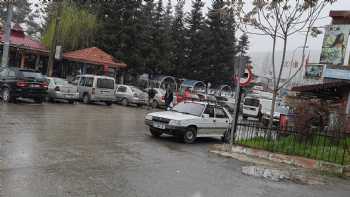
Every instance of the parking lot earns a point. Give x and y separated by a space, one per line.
61 149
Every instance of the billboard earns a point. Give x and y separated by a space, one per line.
334 44
314 71
337 72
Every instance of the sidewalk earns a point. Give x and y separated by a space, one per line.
274 171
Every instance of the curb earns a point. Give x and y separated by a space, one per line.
285 159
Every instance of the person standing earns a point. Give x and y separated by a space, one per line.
169 96
151 95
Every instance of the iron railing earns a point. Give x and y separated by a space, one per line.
331 146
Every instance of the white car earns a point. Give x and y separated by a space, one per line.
190 120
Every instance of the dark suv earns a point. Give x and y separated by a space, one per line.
22 83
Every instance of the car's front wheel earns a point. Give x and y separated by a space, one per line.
190 135
6 95
155 132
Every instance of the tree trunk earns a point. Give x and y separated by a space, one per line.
274 96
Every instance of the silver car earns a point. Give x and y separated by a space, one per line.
60 89
126 94
158 100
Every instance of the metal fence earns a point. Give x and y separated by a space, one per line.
331 146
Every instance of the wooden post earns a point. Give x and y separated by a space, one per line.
23 58
37 61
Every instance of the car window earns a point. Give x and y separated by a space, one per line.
121 89
89 81
3 73
189 108
252 102
11 74
82 81
31 74
210 110
220 113
105 83
60 81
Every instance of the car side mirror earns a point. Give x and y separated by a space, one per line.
205 116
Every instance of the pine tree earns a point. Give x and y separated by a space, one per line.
179 41
221 45
195 36
243 46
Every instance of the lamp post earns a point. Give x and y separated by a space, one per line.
292 61
7 36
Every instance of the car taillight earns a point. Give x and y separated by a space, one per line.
162 98
44 85
57 89
93 91
21 84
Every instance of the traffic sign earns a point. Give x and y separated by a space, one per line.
248 77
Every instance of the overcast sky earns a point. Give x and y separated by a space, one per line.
260 43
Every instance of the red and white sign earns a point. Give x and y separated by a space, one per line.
243 82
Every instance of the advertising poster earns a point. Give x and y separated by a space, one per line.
334 44
314 71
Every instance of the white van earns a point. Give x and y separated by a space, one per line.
93 88
251 107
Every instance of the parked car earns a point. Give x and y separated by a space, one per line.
60 89
189 120
227 102
280 109
158 100
251 107
22 83
126 94
94 88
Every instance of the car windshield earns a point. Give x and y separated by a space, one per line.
136 90
189 108
252 102
60 81
31 74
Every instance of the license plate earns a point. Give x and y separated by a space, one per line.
159 125
35 86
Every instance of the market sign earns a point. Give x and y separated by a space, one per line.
314 71
337 73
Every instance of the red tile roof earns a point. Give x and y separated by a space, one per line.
95 56
19 39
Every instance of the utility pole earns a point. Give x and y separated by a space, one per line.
54 39
7 36
237 79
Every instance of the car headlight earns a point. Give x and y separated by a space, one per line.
148 117
175 123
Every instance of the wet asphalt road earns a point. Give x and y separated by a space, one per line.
95 150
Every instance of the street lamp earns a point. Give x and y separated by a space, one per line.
292 61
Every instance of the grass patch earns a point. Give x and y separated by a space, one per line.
318 147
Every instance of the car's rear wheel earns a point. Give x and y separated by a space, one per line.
190 135
154 104
6 95
86 99
108 103
125 102
155 132
71 101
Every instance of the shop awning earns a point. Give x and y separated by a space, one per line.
94 56
322 86
19 40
